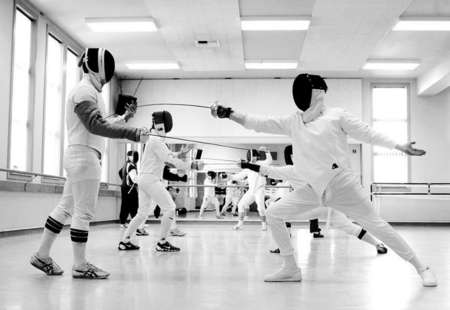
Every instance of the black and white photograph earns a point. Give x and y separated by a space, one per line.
225 154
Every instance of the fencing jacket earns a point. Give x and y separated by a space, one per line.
320 148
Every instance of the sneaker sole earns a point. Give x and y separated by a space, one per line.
127 249
50 275
166 251
295 278
87 278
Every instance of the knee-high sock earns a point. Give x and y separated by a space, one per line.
417 264
166 221
365 236
136 222
241 218
218 208
280 234
48 238
289 262
173 225
79 253
51 230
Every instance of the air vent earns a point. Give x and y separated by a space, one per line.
207 43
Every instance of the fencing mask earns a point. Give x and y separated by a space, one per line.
288 155
162 121
252 154
99 63
302 89
211 174
133 156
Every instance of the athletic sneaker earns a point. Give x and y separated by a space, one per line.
428 278
176 232
123 226
381 248
166 247
237 226
285 275
127 246
89 271
219 217
318 235
141 232
276 251
47 265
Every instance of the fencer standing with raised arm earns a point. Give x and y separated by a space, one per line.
152 189
86 129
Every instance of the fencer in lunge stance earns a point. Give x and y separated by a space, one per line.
337 219
86 129
233 195
152 190
256 187
209 194
320 154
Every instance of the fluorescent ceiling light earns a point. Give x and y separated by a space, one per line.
274 23
153 66
271 65
422 25
118 24
391 65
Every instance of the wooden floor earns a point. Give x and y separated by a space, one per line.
223 269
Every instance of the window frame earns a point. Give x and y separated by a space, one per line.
31 13
67 45
406 85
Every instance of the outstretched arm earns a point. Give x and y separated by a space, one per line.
272 125
361 131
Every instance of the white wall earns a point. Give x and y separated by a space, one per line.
22 210
410 209
258 96
430 127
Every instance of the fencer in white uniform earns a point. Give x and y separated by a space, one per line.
86 130
209 194
233 195
337 219
321 164
152 189
256 188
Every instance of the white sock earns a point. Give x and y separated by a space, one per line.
173 225
48 238
166 221
370 239
79 253
417 264
289 262
130 232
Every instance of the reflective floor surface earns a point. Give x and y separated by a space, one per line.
219 268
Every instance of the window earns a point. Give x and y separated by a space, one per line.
53 107
105 159
20 131
72 78
390 116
